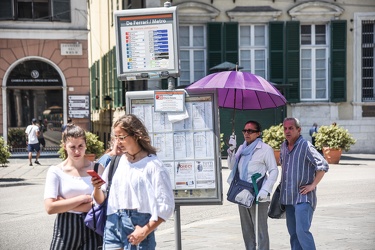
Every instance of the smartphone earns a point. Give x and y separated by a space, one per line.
95 174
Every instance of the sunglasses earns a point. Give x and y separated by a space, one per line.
249 131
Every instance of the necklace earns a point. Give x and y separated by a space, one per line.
134 154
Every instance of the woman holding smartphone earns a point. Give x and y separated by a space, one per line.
141 195
68 193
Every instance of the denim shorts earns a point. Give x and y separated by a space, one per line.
33 147
121 224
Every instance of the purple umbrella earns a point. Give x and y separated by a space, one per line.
240 90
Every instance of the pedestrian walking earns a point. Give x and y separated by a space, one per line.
32 133
313 129
63 127
255 157
303 167
141 195
68 193
42 129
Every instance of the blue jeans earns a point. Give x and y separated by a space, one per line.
121 224
298 221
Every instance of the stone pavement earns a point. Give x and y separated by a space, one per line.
343 219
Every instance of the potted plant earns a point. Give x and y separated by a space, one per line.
274 136
332 140
94 147
4 152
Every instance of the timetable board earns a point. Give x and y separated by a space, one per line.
189 147
146 43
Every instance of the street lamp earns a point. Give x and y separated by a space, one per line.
107 99
108 102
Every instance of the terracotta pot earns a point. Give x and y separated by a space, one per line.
331 155
90 157
277 156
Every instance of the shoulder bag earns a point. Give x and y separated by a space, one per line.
276 210
97 216
242 192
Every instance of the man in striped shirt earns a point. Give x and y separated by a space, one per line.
303 167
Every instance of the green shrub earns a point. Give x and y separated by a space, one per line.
16 138
274 136
334 137
222 144
4 152
93 144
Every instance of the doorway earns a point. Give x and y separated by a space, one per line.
34 90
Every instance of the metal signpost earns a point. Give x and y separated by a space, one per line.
184 128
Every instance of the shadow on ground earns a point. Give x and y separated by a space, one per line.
11 179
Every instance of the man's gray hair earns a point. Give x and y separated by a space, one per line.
296 121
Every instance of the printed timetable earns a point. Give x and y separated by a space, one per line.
153 56
188 146
146 45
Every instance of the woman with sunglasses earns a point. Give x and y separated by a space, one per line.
254 156
141 195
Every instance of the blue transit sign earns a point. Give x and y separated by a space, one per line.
146 43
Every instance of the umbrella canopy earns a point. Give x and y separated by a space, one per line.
226 66
53 110
240 90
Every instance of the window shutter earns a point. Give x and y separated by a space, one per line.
116 83
104 86
338 61
292 56
215 44
231 42
6 9
110 74
93 91
276 52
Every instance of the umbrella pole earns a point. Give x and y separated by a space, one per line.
234 111
233 117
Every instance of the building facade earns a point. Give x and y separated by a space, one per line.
320 54
43 65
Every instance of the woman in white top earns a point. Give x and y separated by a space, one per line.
254 156
141 195
68 193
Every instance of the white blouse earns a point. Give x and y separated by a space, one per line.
144 185
59 183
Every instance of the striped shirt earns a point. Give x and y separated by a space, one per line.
298 169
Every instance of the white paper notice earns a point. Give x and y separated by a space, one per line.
203 147
161 122
144 113
170 167
202 115
164 144
205 174
185 124
184 176
183 145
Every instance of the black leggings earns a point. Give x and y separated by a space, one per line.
70 232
